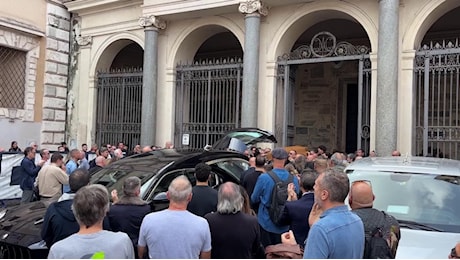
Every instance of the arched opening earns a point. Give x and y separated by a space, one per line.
437 89
208 92
119 94
327 97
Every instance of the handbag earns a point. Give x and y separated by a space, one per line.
284 251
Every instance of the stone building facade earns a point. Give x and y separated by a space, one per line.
34 42
372 74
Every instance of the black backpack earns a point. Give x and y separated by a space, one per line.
376 247
278 197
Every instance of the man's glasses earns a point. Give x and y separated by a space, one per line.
368 182
453 253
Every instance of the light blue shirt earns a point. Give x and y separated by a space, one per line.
69 168
339 233
84 164
263 193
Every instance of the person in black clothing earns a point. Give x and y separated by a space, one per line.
126 214
250 179
204 199
100 163
234 234
59 221
14 148
296 211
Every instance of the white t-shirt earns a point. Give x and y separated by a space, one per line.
175 234
103 244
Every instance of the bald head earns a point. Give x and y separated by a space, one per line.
100 160
361 195
180 190
395 153
146 149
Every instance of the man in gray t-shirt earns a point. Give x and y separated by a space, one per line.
103 244
90 206
175 232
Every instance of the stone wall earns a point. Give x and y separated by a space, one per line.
56 74
320 103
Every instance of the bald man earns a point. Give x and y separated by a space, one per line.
361 200
146 149
395 153
455 252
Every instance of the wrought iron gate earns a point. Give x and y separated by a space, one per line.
208 101
323 48
119 104
437 119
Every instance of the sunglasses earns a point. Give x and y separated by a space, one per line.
368 182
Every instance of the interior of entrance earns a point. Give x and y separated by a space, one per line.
325 96
326 105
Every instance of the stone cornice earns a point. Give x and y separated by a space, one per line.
84 7
253 6
19 26
152 21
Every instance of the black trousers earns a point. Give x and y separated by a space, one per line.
268 238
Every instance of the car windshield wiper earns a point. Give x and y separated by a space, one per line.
417 225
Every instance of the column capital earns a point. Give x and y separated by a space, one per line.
253 6
152 21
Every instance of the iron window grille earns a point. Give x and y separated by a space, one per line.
12 77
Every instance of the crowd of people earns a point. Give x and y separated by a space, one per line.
235 221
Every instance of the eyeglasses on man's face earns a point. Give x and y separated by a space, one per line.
453 253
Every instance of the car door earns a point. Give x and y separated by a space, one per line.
239 139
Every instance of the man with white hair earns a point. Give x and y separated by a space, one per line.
233 234
175 232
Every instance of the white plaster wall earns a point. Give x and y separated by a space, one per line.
20 131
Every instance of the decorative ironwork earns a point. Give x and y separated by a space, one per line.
12 77
437 112
119 106
208 98
324 44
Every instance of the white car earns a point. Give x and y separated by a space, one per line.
423 194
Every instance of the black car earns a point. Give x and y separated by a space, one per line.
20 226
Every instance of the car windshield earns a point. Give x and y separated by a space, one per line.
427 200
114 178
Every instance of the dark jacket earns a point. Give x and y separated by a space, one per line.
296 214
59 222
234 236
29 173
126 216
94 169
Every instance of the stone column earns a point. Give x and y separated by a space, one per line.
249 108
387 77
151 26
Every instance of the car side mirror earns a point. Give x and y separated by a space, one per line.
160 197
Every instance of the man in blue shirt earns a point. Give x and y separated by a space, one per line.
335 231
270 233
338 233
71 166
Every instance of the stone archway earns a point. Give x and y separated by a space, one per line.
119 95
437 89
208 90
320 82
